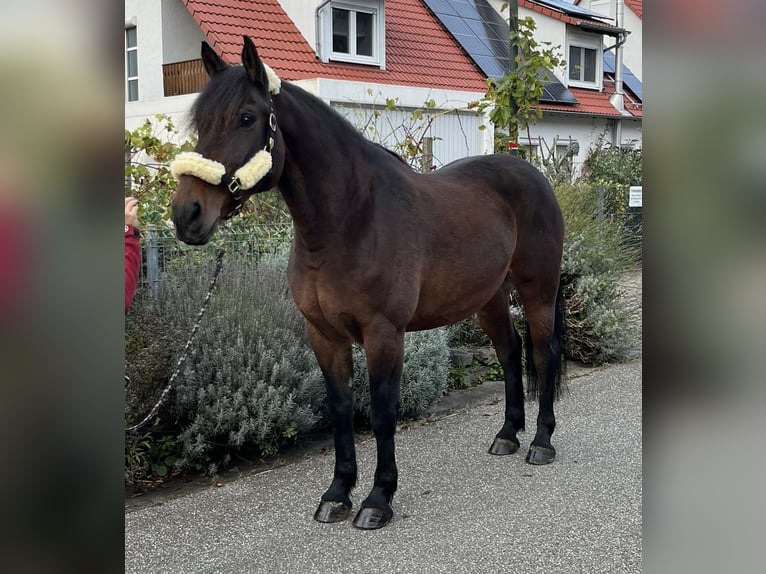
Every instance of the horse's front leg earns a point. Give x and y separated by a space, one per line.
384 347
334 358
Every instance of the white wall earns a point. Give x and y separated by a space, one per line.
301 12
585 130
166 33
553 31
633 49
181 36
177 107
456 135
147 17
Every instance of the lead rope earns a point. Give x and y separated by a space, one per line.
185 353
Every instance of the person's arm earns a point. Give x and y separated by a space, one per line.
132 250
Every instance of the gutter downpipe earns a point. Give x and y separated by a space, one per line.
617 99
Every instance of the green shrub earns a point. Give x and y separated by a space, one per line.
467 333
253 380
600 323
615 170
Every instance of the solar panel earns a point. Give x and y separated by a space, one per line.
479 30
554 92
483 34
571 9
490 65
628 77
473 45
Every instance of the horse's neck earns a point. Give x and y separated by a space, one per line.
319 183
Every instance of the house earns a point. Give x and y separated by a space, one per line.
377 61
583 109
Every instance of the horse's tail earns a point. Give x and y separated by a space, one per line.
557 358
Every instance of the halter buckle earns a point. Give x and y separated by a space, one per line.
234 186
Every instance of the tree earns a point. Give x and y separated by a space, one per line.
514 98
148 150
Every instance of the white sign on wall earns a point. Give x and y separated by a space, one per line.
634 198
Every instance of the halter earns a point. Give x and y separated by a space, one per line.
256 171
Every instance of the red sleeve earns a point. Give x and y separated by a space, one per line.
132 265
15 260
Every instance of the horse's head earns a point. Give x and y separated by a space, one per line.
239 151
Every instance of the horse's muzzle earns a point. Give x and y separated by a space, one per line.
190 225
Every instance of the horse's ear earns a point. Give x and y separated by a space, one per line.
212 61
256 73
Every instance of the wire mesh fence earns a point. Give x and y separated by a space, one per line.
162 250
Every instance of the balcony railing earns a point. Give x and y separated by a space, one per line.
187 77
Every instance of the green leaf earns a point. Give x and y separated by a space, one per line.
160 469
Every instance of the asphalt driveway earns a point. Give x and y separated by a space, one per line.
458 509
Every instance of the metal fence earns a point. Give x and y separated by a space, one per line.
162 250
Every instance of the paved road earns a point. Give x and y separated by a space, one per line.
457 510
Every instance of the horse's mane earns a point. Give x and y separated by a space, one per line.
219 103
341 128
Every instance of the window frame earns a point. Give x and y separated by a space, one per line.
372 7
586 42
131 78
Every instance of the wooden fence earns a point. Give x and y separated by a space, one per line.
187 77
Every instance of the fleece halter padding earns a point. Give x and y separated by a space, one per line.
211 171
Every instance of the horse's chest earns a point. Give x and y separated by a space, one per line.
322 298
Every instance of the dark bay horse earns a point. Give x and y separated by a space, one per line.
380 250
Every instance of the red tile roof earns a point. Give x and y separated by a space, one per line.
594 103
283 47
636 6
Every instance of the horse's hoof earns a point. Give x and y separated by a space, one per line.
329 511
540 455
503 446
372 518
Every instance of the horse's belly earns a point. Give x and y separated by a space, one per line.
447 302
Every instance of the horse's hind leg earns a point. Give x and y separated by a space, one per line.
544 363
495 320
334 359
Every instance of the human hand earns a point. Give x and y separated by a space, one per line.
131 211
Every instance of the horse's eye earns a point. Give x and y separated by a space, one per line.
246 120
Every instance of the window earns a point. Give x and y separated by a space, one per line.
584 62
131 64
353 32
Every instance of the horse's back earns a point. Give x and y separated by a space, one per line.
514 178
532 209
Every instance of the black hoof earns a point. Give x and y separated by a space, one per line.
503 446
372 518
329 511
540 455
